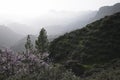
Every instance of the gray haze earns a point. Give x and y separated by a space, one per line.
54 15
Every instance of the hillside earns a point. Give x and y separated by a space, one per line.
8 37
97 43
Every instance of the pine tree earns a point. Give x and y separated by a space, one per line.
42 42
28 45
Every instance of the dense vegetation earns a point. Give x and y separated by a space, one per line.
90 53
97 43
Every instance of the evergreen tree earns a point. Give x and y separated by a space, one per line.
42 42
28 45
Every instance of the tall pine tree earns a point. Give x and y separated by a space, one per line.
42 42
28 45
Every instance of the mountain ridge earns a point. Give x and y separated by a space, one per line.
8 37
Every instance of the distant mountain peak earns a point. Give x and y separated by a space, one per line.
108 10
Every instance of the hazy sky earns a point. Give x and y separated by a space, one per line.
39 11
26 8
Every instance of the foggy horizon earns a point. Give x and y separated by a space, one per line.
29 16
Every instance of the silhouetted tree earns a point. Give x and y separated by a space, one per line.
42 42
28 45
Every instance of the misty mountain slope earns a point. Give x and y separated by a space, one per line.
8 37
107 10
20 45
81 21
23 29
93 16
98 42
